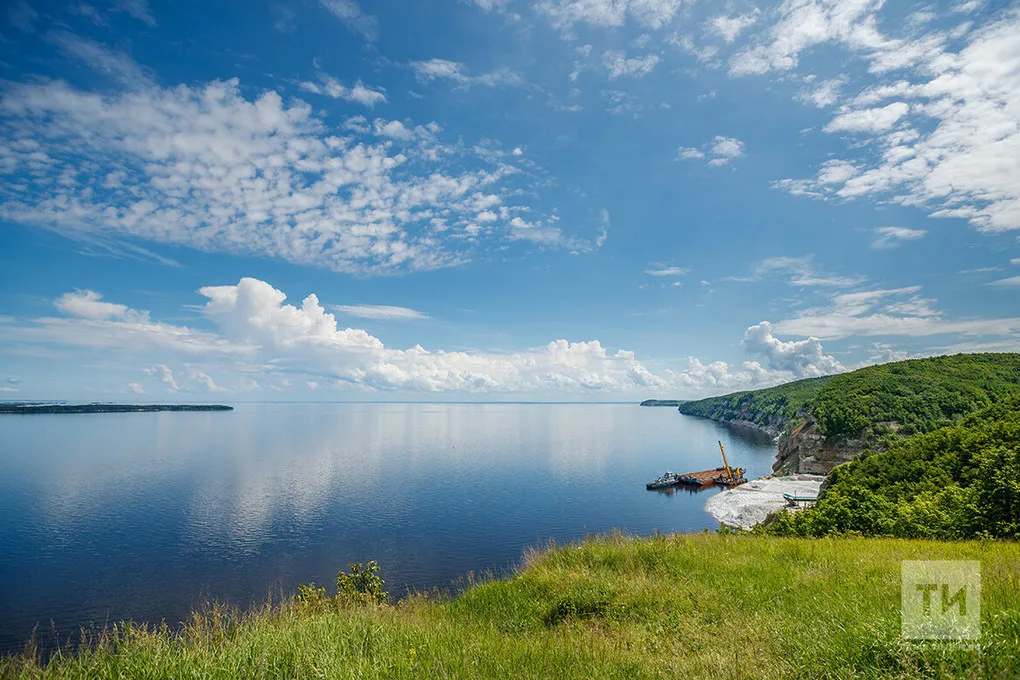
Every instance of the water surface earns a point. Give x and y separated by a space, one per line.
144 515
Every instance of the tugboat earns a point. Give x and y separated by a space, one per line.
667 480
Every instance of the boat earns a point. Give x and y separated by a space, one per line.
667 480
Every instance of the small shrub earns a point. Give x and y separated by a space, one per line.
310 595
362 584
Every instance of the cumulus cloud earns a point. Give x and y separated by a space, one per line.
203 379
803 358
868 120
729 28
822 95
89 304
260 339
166 375
890 237
719 151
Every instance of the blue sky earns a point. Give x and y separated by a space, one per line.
499 199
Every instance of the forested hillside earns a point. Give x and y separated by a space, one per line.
919 395
958 481
822 422
772 408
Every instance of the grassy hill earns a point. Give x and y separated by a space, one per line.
704 605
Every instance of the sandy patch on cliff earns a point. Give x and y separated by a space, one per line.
749 504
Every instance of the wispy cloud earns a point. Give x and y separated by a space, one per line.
661 270
386 312
110 63
890 237
443 69
139 9
331 87
349 12
618 64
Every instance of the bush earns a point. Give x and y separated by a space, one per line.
362 584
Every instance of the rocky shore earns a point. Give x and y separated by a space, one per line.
749 504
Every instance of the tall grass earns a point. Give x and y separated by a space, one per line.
690 606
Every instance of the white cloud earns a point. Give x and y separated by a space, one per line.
262 341
653 14
165 374
801 271
868 120
139 9
803 24
660 270
488 5
444 69
207 168
618 64
890 237
899 311
1011 282
88 304
688 152
725 149
331 87
804 358
349 12
729 28
203 379
957 153
115 65
719 151
822 95
380 312
136 388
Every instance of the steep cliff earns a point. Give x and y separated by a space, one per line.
803 449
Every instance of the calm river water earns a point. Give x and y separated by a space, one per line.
144 516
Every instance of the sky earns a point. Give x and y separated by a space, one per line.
590 200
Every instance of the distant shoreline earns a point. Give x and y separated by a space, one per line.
32 409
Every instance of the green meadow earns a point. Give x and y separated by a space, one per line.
689 606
